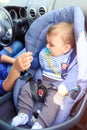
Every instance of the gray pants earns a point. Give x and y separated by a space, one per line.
49 109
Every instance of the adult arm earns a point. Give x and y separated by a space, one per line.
7 59
22 63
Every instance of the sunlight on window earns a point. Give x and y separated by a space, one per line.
4 1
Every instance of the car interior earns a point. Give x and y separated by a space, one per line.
16 17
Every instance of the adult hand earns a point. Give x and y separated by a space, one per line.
23 62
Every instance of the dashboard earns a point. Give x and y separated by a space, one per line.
24 12
32 9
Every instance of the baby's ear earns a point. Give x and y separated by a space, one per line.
67 48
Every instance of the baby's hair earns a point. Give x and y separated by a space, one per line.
66 30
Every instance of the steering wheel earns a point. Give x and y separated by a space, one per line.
6 28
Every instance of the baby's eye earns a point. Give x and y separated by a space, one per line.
51 45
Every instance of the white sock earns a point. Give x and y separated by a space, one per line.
20 119
36 126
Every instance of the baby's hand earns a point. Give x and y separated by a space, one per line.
62 90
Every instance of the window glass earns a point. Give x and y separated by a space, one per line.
4 2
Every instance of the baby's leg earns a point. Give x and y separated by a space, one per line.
49 110
25 105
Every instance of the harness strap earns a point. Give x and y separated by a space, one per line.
28 78
34 95
64 72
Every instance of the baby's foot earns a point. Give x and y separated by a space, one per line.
36 126
20 119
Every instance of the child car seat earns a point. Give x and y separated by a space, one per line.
36 36
42 24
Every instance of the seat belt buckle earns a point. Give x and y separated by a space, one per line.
75 92
41 90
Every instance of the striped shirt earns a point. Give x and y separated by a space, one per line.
55 61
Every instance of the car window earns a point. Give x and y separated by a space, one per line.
4 2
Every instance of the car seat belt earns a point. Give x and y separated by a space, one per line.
28 78
34 95
72 56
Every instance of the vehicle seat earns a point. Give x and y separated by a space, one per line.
36 37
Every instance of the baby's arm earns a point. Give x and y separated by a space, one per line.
67 85
70 82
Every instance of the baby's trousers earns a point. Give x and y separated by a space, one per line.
49 109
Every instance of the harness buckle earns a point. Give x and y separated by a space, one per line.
41 91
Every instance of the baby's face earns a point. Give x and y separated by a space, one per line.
56 45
